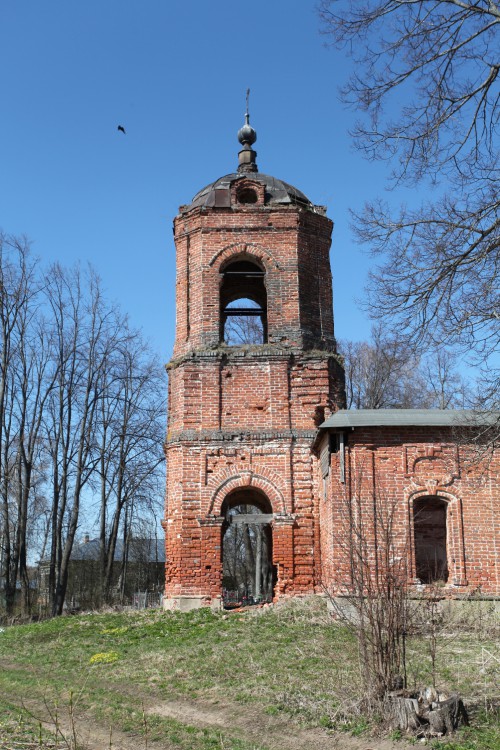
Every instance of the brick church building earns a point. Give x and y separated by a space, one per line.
267 472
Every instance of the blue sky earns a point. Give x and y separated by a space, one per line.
174 74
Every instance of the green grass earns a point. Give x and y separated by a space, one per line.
288 660
19 730
484 735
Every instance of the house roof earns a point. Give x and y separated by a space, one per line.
351 418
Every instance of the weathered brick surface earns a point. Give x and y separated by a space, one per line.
293 246
398 466
247 417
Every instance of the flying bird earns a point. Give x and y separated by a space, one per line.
121 129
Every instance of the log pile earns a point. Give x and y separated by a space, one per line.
426 712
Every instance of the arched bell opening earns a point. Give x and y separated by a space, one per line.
430 535
248 575
243 303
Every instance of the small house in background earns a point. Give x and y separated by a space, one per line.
138 573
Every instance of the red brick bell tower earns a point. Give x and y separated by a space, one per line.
254 372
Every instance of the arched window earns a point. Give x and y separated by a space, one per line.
243 301
429 523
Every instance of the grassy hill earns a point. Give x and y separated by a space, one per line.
262 678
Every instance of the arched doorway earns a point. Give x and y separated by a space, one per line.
248 576
430 533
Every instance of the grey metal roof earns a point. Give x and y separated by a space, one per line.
347 418
277 191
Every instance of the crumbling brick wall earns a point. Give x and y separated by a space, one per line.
405 466
246 416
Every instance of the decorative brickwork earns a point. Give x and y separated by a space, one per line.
245 416
400 467
243 419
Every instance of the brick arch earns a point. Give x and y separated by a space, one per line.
245 480
455 545
244 248
449 498
415 494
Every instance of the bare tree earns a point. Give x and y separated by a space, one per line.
23 361
370 589
371 592
448 387
427 76
34 379
383 374
130 433
84 331
81 407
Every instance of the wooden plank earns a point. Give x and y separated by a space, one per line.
251 518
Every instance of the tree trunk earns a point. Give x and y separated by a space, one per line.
432 717
447 716
403 713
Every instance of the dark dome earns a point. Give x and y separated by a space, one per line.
276 191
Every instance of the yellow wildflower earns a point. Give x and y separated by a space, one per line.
104 657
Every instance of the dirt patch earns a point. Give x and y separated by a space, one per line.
247 723
88 733
275 733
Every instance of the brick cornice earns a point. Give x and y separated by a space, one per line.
247 354
195 437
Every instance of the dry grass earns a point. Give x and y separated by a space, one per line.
289 660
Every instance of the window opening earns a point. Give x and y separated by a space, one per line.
243 304
244 323
247 195
429 520
247 569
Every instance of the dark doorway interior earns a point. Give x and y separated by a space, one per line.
248 574
431 562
